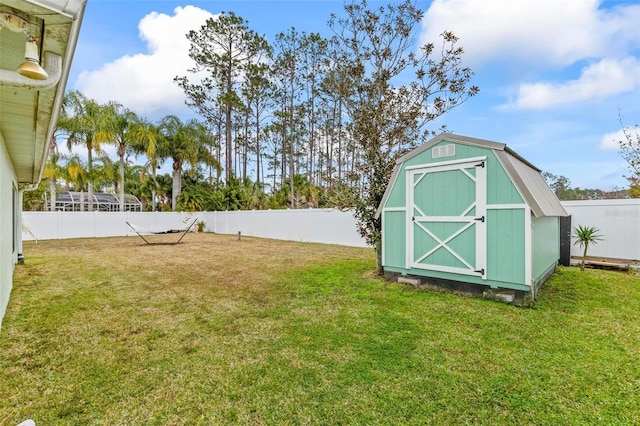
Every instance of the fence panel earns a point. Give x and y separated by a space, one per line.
618 221
314 225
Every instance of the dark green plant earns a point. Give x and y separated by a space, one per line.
584 236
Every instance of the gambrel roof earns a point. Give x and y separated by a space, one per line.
525 176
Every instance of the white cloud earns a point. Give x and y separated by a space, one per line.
537 32
608 77
609 142
144 82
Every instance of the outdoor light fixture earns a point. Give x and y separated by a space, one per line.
31 68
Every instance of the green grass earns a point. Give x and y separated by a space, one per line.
220 331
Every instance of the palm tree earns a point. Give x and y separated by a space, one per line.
53 171
129 134
146 137
83 119
182 143
586 235
105 174
77 174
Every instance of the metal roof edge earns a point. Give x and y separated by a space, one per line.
518 181
535 191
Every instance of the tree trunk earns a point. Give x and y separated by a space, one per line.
228 142
176 186
291 150
219 150
121 173
584 256
258 154
283 153
90 184
52 193
339 139
245 145
153 191
378 249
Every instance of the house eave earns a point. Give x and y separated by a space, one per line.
31 109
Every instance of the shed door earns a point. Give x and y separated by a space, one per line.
447 215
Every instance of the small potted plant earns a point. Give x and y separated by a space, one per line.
200 226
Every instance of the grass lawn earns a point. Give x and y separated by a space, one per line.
221 331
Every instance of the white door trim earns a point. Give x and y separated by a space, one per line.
414 175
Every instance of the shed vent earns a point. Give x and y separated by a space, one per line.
443 151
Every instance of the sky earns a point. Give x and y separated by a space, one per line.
556 78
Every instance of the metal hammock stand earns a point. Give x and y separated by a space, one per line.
141 232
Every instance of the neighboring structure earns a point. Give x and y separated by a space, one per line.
30 101
464 210
69 201
619 224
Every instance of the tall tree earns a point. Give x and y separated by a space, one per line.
83 119
52 171
378 46
224 46
288 62
629 146
127 132
560 185
76 174
146 137
182 143
314 59
257 91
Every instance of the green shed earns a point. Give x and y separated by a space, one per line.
465 210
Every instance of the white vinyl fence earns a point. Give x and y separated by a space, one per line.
618 221
327 226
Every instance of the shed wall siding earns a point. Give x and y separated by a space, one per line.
506 245
500 189
394 247
7 253
398 192
546 247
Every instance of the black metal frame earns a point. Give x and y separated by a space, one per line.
170 231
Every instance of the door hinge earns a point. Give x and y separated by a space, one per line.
480 219
481 164
479 271
413 219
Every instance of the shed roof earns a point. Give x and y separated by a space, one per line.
525 176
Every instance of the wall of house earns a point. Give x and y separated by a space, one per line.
8 243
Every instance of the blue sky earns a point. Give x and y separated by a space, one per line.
553 75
